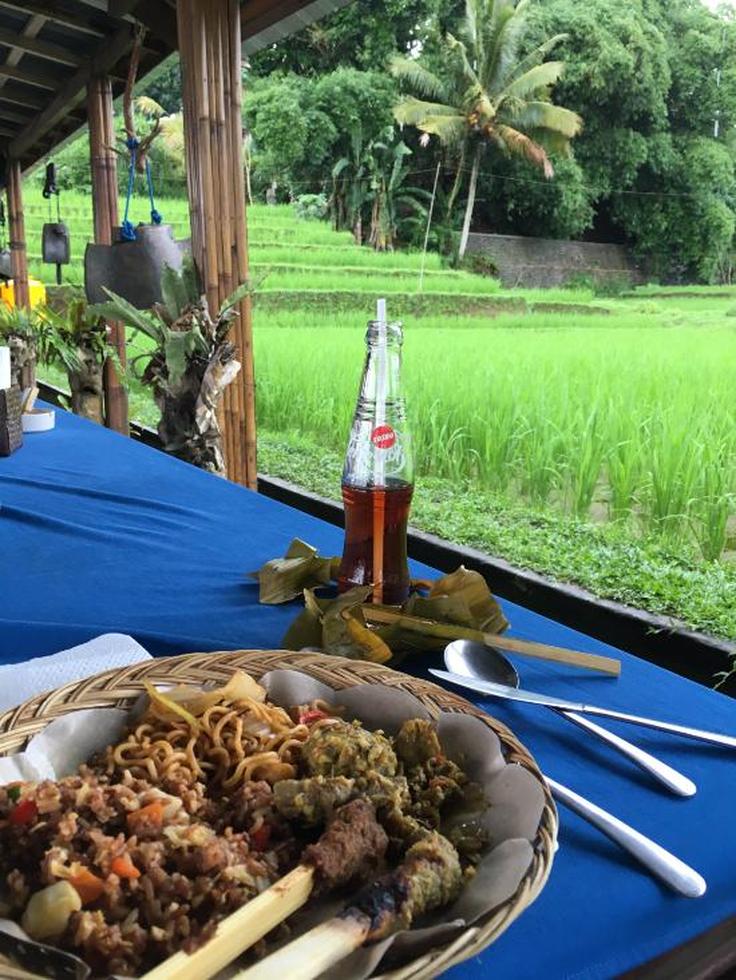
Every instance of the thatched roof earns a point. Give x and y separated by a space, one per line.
50 48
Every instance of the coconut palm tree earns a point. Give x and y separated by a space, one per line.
488 96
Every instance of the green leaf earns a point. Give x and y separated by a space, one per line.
178 348
174 292
120 309
243 290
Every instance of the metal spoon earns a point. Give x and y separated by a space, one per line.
477 660
677 875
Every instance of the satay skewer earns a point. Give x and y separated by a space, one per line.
353 843
429 877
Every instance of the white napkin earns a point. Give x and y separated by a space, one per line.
18 682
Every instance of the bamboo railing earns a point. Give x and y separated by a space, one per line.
210 52
103 164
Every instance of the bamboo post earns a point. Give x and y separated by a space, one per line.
209 47
18 253
103 165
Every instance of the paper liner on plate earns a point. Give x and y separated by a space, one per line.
512 819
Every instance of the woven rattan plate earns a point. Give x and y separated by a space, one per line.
119 688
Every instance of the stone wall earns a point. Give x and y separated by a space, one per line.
551 262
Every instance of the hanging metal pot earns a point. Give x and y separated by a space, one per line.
55 243
132 269
6 270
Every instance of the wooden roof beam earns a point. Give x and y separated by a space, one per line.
9 115
32 77
25 100
73 90
159 19
42 49
52 12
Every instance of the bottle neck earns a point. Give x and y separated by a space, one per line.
380 391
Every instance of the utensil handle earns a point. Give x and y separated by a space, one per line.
675 781
679 876
714 738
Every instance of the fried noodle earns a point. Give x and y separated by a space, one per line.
234 741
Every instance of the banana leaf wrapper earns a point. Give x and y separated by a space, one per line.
283 579
337 626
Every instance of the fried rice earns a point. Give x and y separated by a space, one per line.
156 867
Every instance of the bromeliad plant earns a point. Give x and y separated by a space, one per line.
190 366
19 330
77 340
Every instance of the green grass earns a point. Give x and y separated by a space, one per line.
596 445
612 422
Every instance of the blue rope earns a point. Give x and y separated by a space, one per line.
127 230
155 215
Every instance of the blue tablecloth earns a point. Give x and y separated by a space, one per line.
100 534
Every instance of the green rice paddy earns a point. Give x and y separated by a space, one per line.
596 444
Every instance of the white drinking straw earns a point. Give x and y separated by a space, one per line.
379 498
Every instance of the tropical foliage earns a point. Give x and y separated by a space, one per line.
489 95
189 365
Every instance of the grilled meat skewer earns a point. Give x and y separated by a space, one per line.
429 877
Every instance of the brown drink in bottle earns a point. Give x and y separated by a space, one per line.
378 478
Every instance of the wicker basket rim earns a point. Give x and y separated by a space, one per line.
120 686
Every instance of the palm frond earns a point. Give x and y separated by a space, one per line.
545 115
535 57
412 112
148 107
533 81
443 121
451 130
519 144
459 53
417 77
553 142
502 44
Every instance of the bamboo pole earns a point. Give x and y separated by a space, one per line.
209 46
103 166
246 386
18 253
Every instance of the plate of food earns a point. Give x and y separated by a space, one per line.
249 813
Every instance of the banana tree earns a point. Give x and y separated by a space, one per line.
189 365
489 97
351 186
391 199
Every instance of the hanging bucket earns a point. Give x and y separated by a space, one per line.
132 269
55 246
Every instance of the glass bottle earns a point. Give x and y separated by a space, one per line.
378 477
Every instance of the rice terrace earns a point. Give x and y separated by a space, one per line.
589 438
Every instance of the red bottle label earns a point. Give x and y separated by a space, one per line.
383 437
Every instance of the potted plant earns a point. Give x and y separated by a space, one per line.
19 329
190 364
77 339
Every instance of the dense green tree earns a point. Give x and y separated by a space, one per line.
301 126
515 200
362 34
489 95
